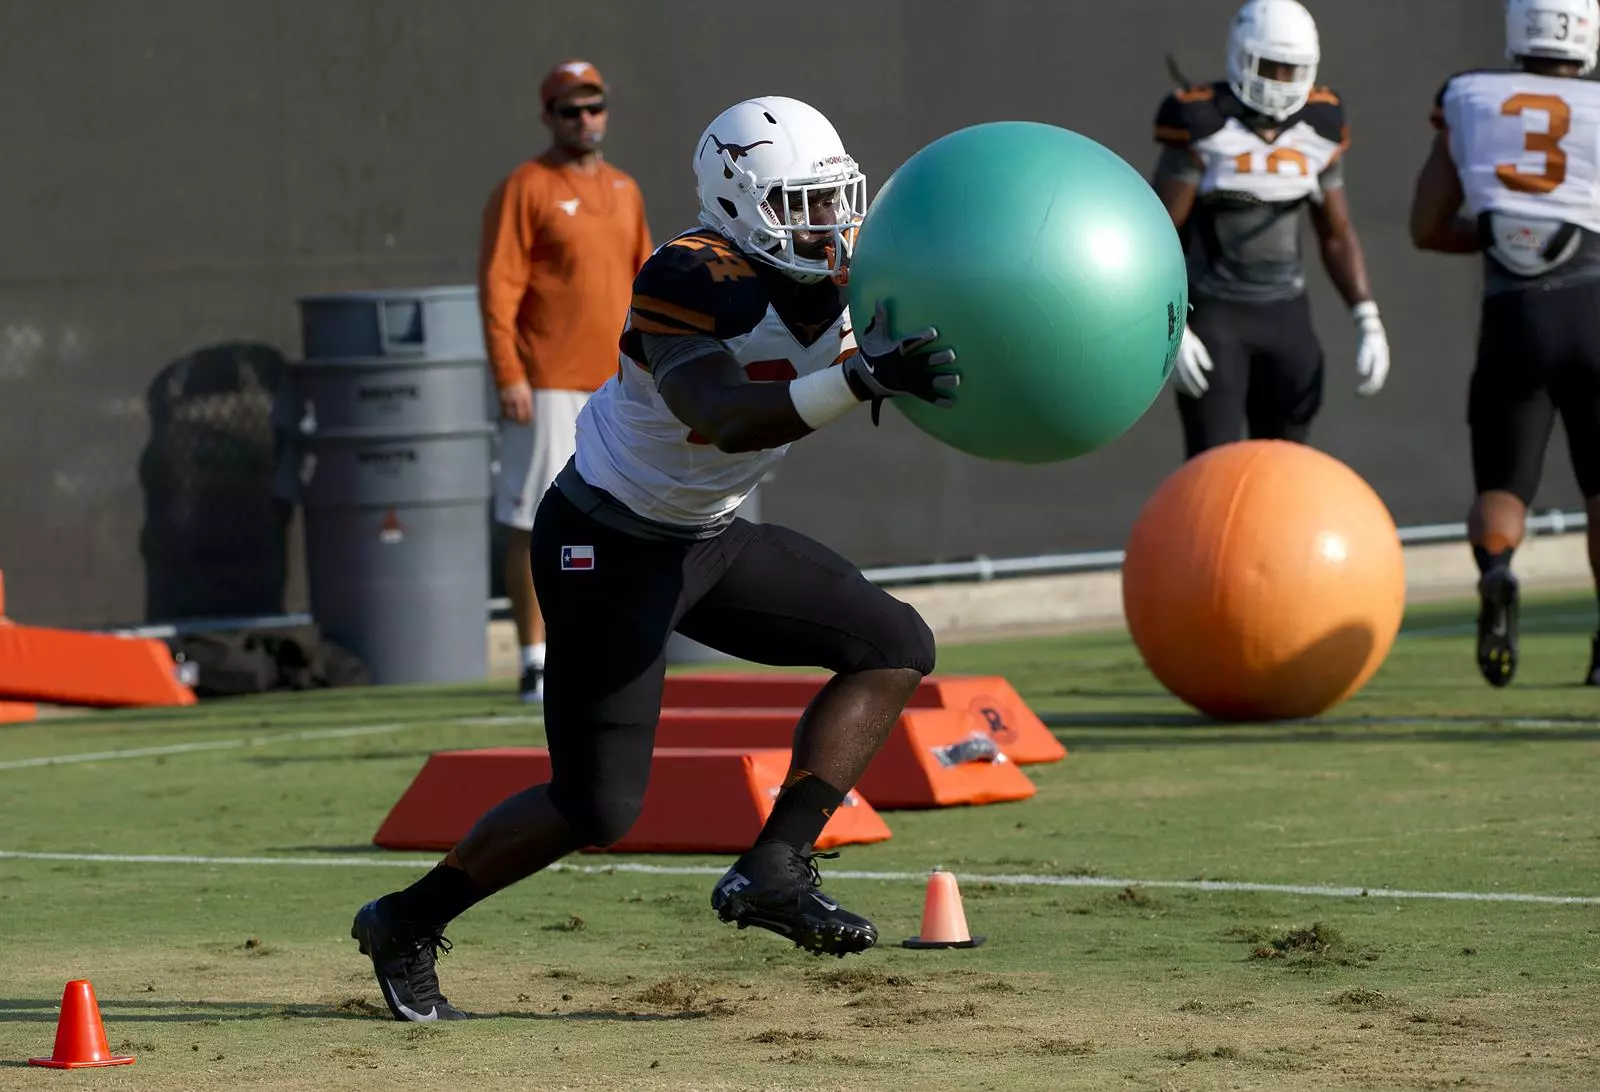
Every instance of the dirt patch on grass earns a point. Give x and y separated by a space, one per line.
1360 999
685 994
857 979
354 1006
1312 947
776 1035
1199 1054
1064 1048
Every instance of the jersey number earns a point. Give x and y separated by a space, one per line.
1559 123
724 264
1245 162
759 371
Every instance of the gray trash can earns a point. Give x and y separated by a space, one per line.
394 451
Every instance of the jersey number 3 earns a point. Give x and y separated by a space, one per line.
1558 124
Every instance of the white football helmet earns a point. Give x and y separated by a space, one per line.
1562 30
1273 30
757 167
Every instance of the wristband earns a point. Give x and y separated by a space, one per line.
822 397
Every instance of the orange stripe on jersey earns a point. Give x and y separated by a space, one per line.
726 263
1202 93
1323 95
705 241
1171 134
699 320
647 325
846 355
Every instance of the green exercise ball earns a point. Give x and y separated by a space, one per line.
1049 265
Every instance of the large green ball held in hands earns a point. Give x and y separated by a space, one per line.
1049 265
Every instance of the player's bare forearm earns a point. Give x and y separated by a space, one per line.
1458 235
1347 267
1341 247
1178 196
1436 220
714 397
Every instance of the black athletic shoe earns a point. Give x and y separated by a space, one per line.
403 961
1594 662
532 685
1497 626
774 886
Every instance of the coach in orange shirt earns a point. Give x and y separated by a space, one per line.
563 237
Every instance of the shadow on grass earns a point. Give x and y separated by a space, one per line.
1202 730
218 1012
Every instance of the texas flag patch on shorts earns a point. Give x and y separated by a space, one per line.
577 557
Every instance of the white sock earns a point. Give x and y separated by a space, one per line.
533 656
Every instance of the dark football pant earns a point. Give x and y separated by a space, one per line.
1266 373
755 591
1538 355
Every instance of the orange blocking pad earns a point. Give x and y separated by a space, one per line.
67 667
700 800
932 759
988 702
17 712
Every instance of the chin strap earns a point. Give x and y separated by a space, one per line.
840 274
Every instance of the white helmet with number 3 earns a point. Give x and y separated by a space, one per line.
1280 33
1560 30
759 166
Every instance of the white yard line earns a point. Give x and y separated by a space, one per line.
256 741
510 721
1004 879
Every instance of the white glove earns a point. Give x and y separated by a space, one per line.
1189 370
1372 355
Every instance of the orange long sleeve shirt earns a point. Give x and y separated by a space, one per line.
559 252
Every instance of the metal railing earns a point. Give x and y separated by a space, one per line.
977 569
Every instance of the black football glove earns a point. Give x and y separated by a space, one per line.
885 367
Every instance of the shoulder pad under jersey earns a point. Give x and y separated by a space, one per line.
698 283
1191 115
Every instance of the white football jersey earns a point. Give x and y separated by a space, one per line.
1238 160
630 444
1525 145
1235 157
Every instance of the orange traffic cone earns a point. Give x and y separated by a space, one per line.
944 923
80 1035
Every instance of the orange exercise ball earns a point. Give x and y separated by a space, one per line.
1264 580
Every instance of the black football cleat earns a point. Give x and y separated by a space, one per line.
403 959
1593 678
774 886
1497 626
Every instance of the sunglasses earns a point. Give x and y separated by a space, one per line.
571 113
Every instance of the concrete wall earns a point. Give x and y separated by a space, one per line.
178 171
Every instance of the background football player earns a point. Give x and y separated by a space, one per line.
1521 150
730 354
1240 158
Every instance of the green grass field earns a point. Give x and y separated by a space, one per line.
1113 967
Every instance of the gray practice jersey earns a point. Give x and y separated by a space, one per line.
1243 237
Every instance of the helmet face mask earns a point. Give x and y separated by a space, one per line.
817 217
1556 30
1273 54
774 178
